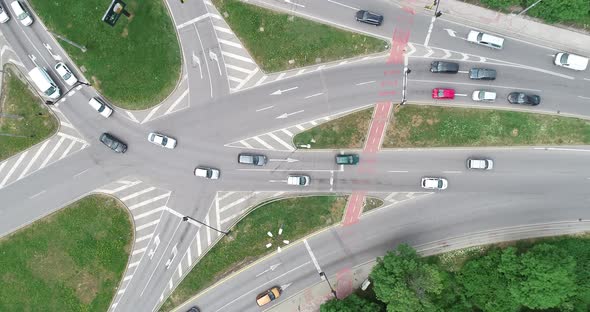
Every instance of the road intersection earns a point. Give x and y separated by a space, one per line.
223 104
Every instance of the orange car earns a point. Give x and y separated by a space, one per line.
268 296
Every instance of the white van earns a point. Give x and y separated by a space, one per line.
102 108
485 39
571 61
44 82
23 16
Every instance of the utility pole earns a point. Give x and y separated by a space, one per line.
186 218
532 5
322 274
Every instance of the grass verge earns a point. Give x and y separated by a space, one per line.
72 260
135 64
427 126
299 216
24 120
349 131
372 203
273 39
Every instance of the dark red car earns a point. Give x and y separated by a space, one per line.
440 93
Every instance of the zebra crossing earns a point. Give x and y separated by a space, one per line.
394 198
282 139
422 51
66 141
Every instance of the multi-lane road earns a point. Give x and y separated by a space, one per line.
225 104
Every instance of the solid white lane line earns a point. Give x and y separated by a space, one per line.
79 173
313 258
265 108
344 5
474 84
451 171
398 171
583 97
364 83
588 79
429 31
208 230
460 94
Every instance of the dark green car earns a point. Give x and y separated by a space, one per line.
347 159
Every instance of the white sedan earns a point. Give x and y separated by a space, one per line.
162 140
207 173
3 16
483 96
65 73
434 183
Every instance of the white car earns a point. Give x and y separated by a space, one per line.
485 39
207 173
65 73
482 164
98 105
483 96
434 183
571 61
20 13
301 180
3 16
162 140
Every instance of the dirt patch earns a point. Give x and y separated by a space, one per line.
417 121
431 121
87 288
95 82
514 132
125 32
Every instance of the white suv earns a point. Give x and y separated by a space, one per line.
65 73
571 61
485 39
482 164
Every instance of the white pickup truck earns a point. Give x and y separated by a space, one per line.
483 164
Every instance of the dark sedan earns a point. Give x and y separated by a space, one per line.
368 17
482 74
522 98
113 143
444 67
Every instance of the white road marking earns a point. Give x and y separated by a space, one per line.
283 143
246 144
52 152
132 117
147 225
474 84
583 97
451 171
226 195
138 251
145 214
217 213
313 95
295 4
287 132
279 91
398 171
206 63
364 83
460 94
561 149
237 202
285 115
430 52
208 230
37 194
192 21
259 140
120 188
463 72
313 258
281 76
588 79
176 102
237 57
450 32
277 181
151 113
18 161
79 173
268 282
344 5
429 31
265 108
261 80
230 43
140 239
198 238
71 137
149 201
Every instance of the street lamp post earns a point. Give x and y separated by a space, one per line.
437 13
322 274
186 218
532 5
405 84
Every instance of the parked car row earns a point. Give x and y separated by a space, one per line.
19 11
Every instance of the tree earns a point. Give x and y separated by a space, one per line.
486 285
352 303
547 278
405 282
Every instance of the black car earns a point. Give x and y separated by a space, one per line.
368 17
444 67
482 74
252 159
522 98
113 143
194 309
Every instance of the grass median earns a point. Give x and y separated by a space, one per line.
349 131
72 260
135 64
273 39
432 126
299 217
24 121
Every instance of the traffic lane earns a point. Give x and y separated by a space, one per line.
292 267
183 12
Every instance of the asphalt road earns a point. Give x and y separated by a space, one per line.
527 186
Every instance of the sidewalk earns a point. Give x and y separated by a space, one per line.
519 27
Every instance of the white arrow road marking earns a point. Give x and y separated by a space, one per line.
156 243
213 56
285 115
283 287
169 262
296 4
451 32
460 94
290 160
55 56
279 91
197 61
272 268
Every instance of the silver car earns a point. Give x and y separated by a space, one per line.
162 140
207 173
